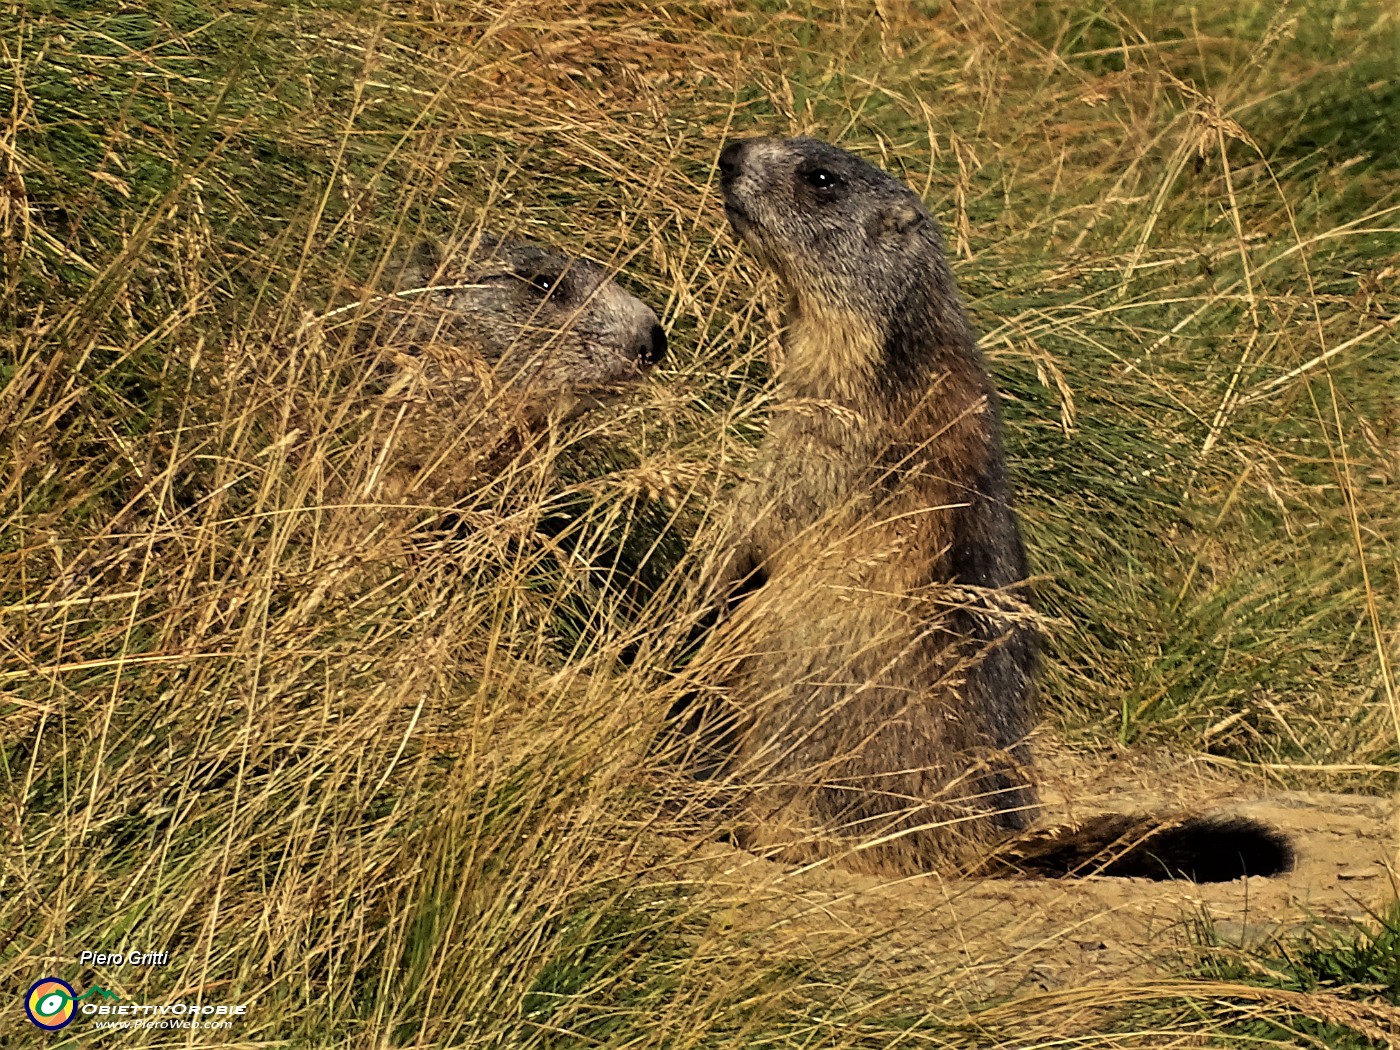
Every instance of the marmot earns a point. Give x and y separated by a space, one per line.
491 341
442 373
880 688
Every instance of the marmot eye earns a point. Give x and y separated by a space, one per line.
819 178
542 281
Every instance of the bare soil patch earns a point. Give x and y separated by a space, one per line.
1005 936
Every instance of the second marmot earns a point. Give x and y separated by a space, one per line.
499 336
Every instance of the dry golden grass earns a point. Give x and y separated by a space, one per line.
392 775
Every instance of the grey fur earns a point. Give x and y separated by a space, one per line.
491 341
546 325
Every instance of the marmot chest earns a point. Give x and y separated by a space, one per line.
825 501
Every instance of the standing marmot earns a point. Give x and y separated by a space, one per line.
492 340
880 692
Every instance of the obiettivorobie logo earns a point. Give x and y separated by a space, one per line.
52 1004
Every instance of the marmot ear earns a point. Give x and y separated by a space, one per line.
899 218
420 264
414 266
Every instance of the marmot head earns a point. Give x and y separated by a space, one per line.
832 226
546 325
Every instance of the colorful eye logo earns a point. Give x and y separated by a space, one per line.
49 1003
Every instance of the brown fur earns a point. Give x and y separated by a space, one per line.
878 661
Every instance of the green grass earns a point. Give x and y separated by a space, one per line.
362 794
1359 964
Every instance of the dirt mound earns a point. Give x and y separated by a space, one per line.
1006 935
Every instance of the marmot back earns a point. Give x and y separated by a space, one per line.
880 688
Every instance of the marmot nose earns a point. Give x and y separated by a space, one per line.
730 158
656 350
